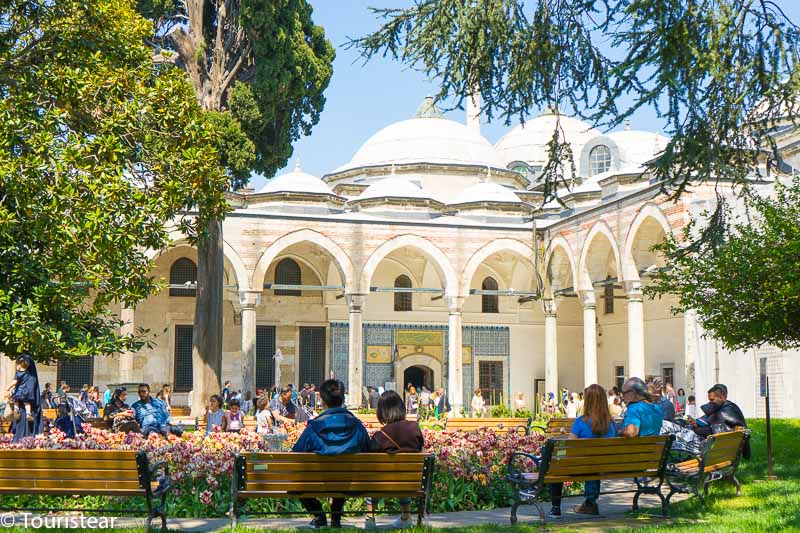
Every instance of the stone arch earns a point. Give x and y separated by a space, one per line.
558 258
340 258
649 214
499 245
423 360
231 256
595 262
447 273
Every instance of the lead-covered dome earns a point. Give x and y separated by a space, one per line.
394 187
487 192
528 142
296 181
427 138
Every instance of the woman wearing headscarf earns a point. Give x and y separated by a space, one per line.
26 396
119 415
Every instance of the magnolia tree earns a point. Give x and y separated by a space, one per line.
99 151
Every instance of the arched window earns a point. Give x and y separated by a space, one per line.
287 273
402 300
489 303
599 159
183 271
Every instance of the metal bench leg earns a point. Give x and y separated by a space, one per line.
420 511
736 484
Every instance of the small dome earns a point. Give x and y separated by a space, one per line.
487 192
298 182
394 187
528 142
427 138
637 147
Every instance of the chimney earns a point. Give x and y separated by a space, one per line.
474 112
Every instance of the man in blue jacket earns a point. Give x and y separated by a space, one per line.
336 431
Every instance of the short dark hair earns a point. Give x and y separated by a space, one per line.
284 390
691 397
216 397
390 408
332 392
234 402
145 385
719 388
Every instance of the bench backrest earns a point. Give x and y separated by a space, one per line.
723 450
51 414
372 418
81 471
180 411
368 474
554 425
613 458
500 425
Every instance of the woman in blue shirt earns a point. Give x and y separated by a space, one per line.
595 423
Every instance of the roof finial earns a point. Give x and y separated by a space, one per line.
628 124
487 177
428 109
392 169
297 164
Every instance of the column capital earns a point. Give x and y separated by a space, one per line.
588 299
455 304
355 301
550 306
634 290
249 299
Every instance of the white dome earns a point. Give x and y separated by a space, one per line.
394 187
528 142
425 140
296 181
487 192
637 147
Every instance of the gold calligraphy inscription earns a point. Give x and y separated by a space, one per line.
379 354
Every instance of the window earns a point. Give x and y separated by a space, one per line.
183 271
76 371
402 300
762 375
287 273
599 159
489 303
668 375
520 169
184 377
265 356
608 298
619 376
490 377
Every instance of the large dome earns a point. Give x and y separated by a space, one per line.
394 187
296 182
528 142
427 138
487 192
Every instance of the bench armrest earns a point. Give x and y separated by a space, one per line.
522 475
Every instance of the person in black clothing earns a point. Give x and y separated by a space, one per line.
720 414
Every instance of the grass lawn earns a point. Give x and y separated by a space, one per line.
762 506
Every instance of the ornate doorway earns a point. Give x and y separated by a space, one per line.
418 375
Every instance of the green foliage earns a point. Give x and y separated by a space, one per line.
745 286
98 150
718 74
501 411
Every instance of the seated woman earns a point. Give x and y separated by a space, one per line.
595 423
233 420
398 435
214 414
118 414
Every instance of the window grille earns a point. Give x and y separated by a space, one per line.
489 302
287 273
600 159
184 378
183 271
402 300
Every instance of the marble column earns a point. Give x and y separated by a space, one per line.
248 300
636 362
355 359
589 337
550 348
455 368
126 358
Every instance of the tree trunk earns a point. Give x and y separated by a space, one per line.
207 331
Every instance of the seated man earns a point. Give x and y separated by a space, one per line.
334 432
720 414
656 390
282 408
642 419
152 414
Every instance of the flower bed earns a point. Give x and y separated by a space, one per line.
470 468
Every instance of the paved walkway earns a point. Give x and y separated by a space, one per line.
612 508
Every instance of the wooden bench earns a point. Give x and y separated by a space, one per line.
372 418
719 460
588 460
309 475
86 473
500 425
180 411
554 426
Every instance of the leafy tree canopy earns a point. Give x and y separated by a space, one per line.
99 151
718 73
746 289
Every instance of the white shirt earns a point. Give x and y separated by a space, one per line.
691 410
263 420
572 410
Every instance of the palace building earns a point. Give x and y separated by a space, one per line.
428 259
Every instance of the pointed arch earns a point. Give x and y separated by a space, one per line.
649 211
602 231
496 246
231 256
340 258
559 244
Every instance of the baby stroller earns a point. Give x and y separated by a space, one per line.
78 412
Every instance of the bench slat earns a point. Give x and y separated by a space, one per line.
71 473
615 441
345 476
75 484
64 464
328 494
557 469
69 454
325 486
605 459
71 491
608 475
328 467
294 457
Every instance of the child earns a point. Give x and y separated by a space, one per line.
26 397
233 420
263 417
64 422
691 408
214 414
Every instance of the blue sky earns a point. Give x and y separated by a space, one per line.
362 99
